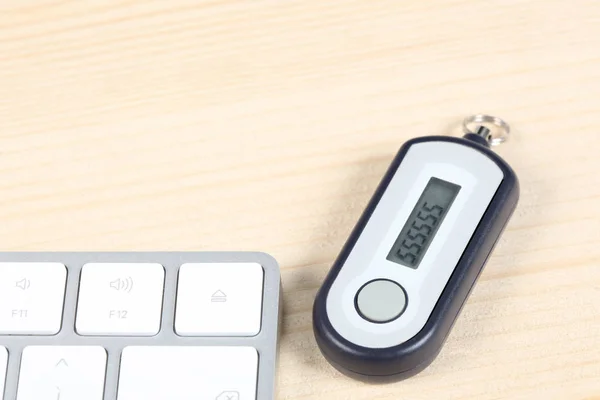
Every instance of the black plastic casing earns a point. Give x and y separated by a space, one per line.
411 357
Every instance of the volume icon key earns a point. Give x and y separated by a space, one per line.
23 284
122 284
131 299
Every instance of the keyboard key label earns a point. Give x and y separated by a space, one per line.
120 299
229 396
31 297
219 299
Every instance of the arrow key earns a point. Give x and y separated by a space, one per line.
62 373
62 363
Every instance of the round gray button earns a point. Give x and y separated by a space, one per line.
381 301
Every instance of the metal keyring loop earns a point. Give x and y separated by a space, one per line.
498 136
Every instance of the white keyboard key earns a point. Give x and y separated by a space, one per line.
31 297
219 299
120 299
3 363
62 373
188 373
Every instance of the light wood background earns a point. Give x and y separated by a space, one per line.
266 125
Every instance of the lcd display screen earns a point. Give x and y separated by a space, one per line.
423 223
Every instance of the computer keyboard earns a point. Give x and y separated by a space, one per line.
138 326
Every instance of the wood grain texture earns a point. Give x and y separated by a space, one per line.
266 125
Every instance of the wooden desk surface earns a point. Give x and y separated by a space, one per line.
266 125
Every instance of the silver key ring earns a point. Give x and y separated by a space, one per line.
498 136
